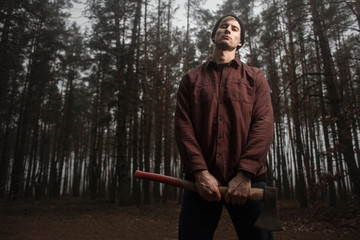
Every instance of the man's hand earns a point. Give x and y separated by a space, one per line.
207 186
238 189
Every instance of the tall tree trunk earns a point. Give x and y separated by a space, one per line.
94 138
167 105
279 179
41 178
132 76
345 145
136 43
6 140
287 119
53 174
158 99
122 164
284 168
32 156
75 188
158 142
325 129
3 54
309 119
295 106
65 130
187 36
23 125
5 109
148 111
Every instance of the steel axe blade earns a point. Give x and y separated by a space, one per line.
269 218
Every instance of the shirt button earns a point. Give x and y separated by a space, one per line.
221 85
219 136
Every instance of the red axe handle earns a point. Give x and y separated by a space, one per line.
255 194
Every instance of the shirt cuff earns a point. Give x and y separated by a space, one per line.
247 174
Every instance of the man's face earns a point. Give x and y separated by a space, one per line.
228 34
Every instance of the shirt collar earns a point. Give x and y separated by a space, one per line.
233 63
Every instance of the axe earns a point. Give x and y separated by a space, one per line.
268 219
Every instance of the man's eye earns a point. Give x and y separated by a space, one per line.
223 26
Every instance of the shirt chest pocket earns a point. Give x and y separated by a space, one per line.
202 93
239 90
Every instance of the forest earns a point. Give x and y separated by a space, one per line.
81 110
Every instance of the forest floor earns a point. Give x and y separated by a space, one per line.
77 219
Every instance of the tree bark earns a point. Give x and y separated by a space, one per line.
167 106
122 164
295 106
135 153
344 145
3 53
148 111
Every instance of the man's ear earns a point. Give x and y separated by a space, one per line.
240 44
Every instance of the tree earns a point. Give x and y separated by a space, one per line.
344 145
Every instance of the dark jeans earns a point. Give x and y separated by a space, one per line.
199 218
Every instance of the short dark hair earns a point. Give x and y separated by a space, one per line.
242 37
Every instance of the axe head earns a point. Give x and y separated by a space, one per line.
269 219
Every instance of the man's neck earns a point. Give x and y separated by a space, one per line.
221 56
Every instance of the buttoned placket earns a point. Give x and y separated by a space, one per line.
220 119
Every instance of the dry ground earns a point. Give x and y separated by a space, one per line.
77 219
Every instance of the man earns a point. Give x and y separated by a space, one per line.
223 129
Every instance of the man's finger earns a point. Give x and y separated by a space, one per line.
217 195
227 197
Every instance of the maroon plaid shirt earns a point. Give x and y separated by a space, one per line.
224 120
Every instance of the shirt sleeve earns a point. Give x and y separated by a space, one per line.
261 129
189 148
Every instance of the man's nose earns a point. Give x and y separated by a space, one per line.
227 30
